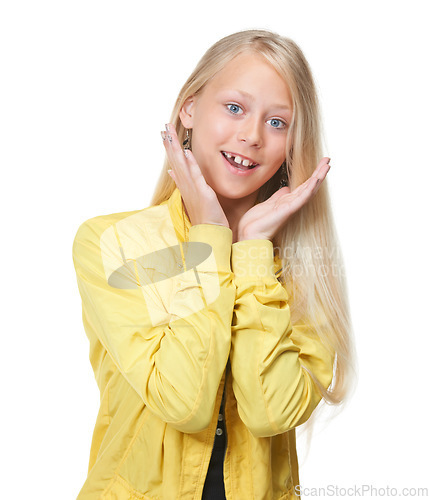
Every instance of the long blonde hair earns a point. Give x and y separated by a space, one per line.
312 261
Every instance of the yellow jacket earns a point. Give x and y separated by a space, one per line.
172 313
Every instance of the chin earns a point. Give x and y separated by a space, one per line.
232 192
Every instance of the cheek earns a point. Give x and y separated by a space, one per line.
278 150
216 130
203 149
210 136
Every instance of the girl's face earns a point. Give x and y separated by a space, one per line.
244 110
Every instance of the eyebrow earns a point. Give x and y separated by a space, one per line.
251 98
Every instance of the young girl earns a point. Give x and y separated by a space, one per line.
217 316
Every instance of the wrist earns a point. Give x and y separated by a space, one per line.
244 234
213 223
243 237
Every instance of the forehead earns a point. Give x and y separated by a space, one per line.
252 73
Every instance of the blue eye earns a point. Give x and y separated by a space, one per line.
276 123
233 108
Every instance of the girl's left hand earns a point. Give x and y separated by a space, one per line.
263 220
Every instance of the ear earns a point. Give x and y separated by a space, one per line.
187 112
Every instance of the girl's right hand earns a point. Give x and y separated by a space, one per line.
201 202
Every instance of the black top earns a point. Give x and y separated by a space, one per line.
214 488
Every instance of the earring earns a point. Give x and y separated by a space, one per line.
283 175
187 141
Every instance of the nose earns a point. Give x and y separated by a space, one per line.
250 132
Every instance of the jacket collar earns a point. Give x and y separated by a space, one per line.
178 214
181 220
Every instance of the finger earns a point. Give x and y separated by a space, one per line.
305 185
175 155
305 191
189 165
304 194
321 166
193 167
186 164
185 169
311 188
301 194
172 138
324 169
319 175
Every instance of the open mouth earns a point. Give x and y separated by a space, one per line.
239 162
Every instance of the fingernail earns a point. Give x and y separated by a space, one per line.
167 126
169 172
186 152
170 139
163 135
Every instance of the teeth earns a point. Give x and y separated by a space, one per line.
239 160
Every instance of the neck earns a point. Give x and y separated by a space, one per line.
234 209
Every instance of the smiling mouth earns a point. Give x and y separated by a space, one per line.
239 162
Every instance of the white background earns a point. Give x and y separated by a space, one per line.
86 87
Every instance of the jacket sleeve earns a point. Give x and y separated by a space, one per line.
270 357
168 332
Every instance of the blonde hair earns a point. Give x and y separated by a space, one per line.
308 246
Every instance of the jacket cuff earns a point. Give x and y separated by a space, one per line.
220 240
253 259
